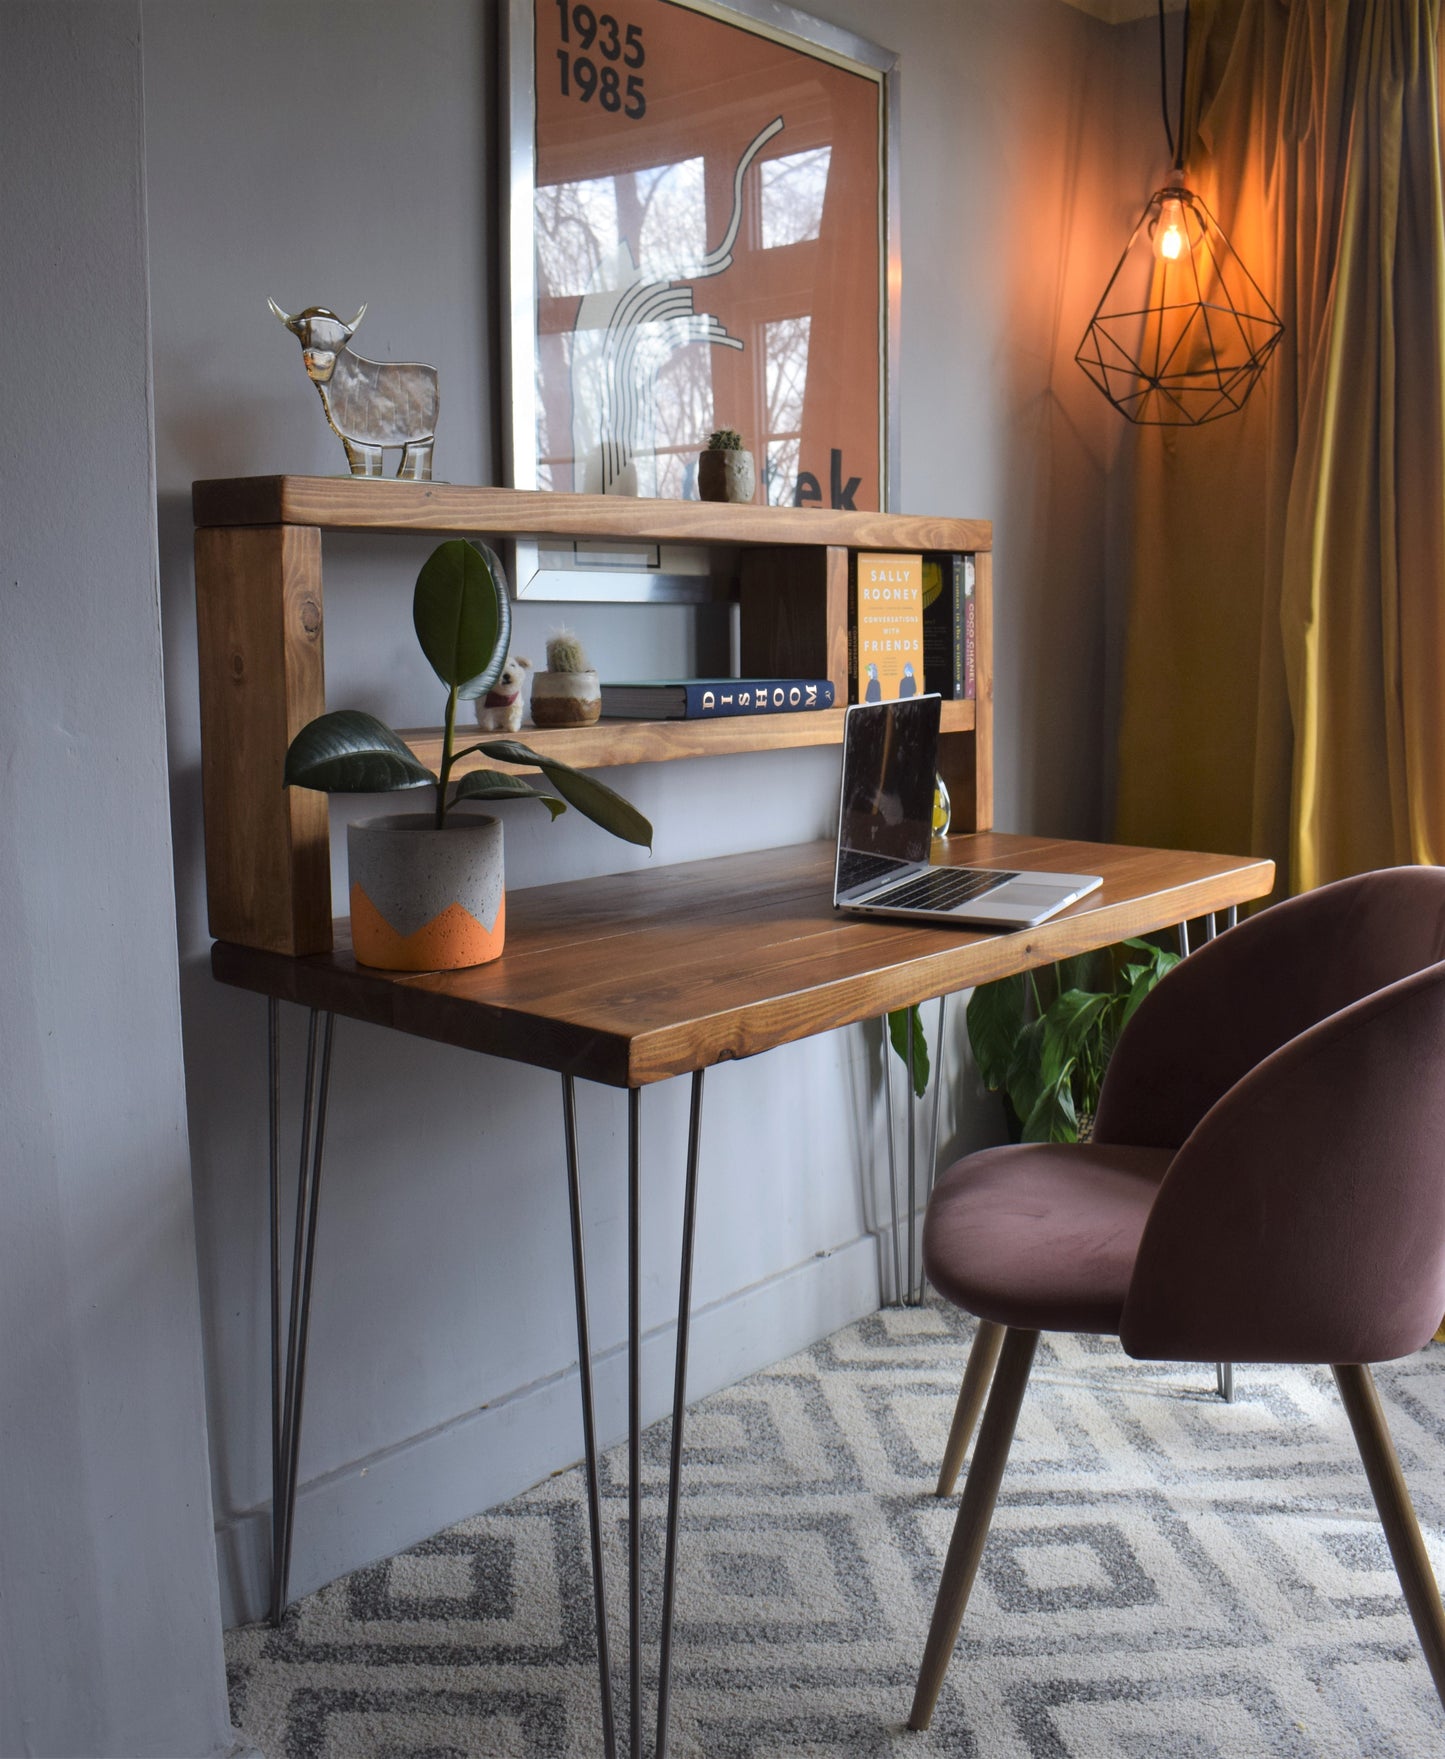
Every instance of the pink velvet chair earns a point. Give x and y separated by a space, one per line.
1265 1183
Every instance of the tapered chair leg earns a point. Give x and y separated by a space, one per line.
975 1512
982 1359
1397 1513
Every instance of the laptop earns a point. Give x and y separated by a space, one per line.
885 827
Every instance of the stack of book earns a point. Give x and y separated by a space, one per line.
911 626
948 625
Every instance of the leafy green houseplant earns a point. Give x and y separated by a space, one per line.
408 907
1043 1039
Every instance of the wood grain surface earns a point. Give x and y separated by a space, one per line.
610 742
634 977
259 635
343 503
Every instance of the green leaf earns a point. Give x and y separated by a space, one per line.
995 1016
1023 1078
898 1034
1081 972
1076 1016
1052 1117
348 752
1143 983
593 799
462 615
494 785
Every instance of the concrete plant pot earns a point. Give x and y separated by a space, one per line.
424 899
726 476
565 699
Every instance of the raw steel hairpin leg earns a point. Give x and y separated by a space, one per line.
898 1298
634 1418
679 1406
937 1092
912 1167
915 1283
1223 1371
589 1428
283 1366
273 1094
914 1295
286 1438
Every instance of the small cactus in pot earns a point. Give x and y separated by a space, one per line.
725 468
567 694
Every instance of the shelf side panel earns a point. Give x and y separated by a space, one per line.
966 749
259 632
792 614
983 691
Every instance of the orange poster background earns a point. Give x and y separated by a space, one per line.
709 87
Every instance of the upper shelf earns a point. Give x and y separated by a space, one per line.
346 503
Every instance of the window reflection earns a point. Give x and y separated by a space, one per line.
581 227
785 366
793 188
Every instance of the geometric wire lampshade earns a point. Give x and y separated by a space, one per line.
1183 332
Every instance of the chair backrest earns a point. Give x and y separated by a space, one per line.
1242 995
1304 1219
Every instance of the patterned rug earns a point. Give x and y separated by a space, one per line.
1167 1575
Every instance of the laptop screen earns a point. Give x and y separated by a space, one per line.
885 818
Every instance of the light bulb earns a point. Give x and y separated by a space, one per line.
1171 233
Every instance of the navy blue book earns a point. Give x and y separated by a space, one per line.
691 699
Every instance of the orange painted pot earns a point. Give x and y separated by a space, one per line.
424 899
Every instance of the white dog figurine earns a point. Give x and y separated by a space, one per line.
500 710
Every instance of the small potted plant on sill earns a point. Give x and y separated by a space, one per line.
725 469
427 888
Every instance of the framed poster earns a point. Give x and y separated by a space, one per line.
701 233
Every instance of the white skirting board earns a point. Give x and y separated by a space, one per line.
378 1506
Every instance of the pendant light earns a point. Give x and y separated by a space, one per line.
1182 332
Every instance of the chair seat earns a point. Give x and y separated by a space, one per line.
1042 1236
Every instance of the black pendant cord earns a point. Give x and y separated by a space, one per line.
1176 146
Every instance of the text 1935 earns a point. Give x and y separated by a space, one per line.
595 52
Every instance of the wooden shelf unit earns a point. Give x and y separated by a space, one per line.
259 611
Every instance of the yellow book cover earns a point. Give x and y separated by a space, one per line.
888 618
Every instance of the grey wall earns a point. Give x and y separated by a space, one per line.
109 1616
442 1333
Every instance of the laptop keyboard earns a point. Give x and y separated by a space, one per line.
943 888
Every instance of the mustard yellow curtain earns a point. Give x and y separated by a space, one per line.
1284 686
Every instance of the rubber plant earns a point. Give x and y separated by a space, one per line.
463 621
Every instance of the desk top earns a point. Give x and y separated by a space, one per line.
633 977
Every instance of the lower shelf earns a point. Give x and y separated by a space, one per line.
623 742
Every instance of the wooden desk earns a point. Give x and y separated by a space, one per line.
636 977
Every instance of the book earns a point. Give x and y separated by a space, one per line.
691 699
948 624
885 659
970 664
